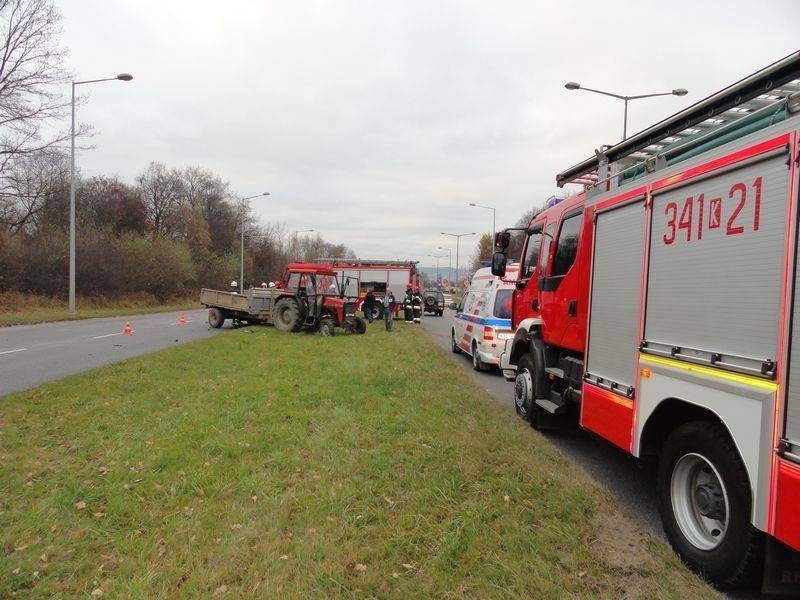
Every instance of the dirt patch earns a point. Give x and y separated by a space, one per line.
621 544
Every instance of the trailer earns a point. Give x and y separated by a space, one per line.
660 307
254 306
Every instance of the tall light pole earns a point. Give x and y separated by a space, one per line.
120 77
449 260
241 256
437 257
458 237
571 85
491 208
296 231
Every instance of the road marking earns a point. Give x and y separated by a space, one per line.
179 323
12 351
100 337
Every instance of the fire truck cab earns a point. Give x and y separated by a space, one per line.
663 311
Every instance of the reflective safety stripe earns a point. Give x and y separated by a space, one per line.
700 369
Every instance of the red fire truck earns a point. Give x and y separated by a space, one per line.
378 275
661 305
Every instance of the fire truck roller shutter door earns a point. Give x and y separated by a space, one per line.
716 266
616 289
792 431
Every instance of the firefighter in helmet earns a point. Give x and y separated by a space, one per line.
408 306
416 301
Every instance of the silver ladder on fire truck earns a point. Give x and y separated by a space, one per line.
693 334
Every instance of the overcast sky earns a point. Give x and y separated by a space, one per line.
376 123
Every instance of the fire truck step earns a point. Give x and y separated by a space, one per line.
555 371
551 407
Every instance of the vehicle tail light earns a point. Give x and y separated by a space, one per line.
488 333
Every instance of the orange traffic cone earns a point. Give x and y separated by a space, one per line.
182 319
127 330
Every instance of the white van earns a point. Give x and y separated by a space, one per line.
482 322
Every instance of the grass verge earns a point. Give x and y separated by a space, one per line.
266 464
27 309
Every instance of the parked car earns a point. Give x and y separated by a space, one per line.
433 301
482 322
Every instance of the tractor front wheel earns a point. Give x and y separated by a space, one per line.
327 327
287 315
360 326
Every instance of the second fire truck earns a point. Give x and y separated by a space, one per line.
661 306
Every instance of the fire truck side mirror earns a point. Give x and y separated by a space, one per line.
502 240
499 264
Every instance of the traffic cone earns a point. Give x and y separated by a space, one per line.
182 319
127 330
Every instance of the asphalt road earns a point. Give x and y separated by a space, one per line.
34 354
632 487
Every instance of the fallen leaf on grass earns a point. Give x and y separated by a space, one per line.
80 505
162 547
408 567
361 568
254 498
396 575
97 593
283 557
506 499
236 526
43 558
223 589
53 528
16 571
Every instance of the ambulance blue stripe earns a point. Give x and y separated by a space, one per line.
488 321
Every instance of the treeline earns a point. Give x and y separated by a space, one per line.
168 234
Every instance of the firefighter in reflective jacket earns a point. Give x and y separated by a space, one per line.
408 306
416 301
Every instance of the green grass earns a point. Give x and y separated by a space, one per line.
46 314
270 464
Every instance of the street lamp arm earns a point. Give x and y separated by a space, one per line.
619 96
649 95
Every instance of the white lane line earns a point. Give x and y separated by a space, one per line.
12 351
184 323
100 337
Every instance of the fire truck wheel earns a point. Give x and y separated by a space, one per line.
287 315
523 388
360 325
327 327
705 503
453 346
215 318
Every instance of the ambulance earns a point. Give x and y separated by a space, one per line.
482 322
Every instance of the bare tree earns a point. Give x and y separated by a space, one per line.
162 193
31 78
483 251
33 181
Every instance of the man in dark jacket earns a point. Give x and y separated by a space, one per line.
368 306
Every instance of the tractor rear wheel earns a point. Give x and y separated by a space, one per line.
327 327
215 318
360 326
287 315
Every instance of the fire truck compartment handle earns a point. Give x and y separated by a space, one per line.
573 308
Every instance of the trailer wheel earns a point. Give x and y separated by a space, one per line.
327 327
524 388
453 346
287 315
705 502
360 326
215 318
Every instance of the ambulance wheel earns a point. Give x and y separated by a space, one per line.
477 363
705 503
453 346
524 388
215 318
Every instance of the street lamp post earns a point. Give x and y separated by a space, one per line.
491 208
571 85
241 256
458 237
449 260
437 257
120 77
